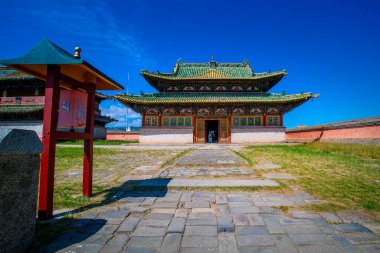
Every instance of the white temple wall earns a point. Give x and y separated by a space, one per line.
257 134
166 135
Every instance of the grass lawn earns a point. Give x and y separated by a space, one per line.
112 168
99 142
347 176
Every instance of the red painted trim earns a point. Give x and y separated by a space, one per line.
88 144
264 123
45 201
72 135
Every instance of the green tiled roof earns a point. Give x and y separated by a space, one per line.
211 97
18 109
10 74
212 70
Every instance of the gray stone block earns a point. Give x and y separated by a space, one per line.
177 225
255 240
19 175
171 243
200 242
129 224
201 230
225 224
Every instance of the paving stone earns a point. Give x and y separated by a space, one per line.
140 250
225 224
199 250
198 216
268 210
240 204
197 205
284 176
251 230
145 242
325 227
165 205
100 229
284 244
239 198
351 228
159 216
203 222
255 219
163 210
155 223
201 230
80 223
331 217
309 239
240 219
149 231
114 214
171 243
245 209
370 248
109 221
221 199
181 213
274 226
354 216
129 224
222 210
343 243
254 240
300 229
186 197
227 243
257 250
320 249
177 225
267 166
100 239
116 244
199 242
132 199
304 215
203 210
362 238
88 248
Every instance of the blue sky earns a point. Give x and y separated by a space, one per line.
327 47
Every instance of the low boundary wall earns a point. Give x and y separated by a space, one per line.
356 131
123 135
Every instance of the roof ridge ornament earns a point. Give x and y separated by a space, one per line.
212 63
77 52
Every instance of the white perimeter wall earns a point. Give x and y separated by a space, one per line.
163 135
257 134
99 131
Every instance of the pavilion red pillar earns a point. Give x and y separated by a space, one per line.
88 143
50 121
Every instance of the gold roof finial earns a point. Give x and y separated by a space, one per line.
77 52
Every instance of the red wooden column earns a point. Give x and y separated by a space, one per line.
50 121
264 119
281 120
88 143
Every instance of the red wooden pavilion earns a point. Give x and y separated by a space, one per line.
62 71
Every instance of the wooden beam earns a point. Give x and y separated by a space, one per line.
50 121
72 135
88 143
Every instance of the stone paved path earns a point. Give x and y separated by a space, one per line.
185 221
167 220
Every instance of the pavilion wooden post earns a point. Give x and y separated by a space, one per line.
45 206
88 143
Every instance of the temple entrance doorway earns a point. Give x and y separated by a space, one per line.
212 131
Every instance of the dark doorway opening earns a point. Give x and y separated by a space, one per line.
211 131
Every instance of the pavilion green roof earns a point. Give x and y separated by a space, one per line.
10 74
212 97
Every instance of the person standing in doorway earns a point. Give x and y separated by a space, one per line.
209 137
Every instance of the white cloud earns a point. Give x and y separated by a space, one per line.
120 113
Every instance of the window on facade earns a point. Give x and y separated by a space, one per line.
247 121
151 120
177 121
273 120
